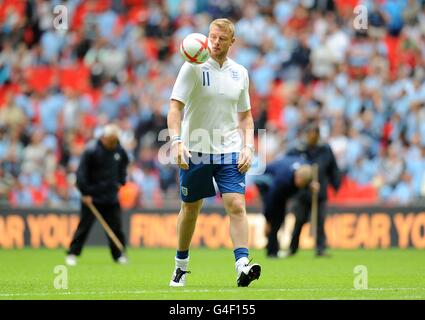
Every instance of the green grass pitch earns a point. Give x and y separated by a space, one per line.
392 274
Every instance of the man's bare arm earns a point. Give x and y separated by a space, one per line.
178 149
246 125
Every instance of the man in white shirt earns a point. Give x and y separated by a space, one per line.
214 140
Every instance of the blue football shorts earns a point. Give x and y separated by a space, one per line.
197 182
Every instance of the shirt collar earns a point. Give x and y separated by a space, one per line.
216 65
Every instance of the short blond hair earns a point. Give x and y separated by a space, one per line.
305 172
224 24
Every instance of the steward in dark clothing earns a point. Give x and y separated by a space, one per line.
313 151
100 174
283 178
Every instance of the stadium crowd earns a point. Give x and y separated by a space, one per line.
117 61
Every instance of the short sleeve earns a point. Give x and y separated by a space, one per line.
184 83
244 103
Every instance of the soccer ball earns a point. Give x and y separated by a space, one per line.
195 48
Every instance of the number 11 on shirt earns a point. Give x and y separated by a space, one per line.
205 78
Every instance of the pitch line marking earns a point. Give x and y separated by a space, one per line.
200 291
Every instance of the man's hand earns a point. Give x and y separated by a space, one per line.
245 159
87 200
180 154
315 186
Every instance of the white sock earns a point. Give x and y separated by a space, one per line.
242 262
182 263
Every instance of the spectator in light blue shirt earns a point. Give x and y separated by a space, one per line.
52 43
49 111
403 193
394 9
363 171
262 76
245 55
109 104
106 22
21 196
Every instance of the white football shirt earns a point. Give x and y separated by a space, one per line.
213 96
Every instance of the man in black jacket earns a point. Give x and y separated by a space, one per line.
314 152
282 180
100 174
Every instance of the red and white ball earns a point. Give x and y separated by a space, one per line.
195 48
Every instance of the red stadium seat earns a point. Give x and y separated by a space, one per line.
40 78
94 95
352 193
151 48
76 77
346 7
11 6
137 14
276 102
39 196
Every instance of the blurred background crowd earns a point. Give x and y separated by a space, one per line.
118 60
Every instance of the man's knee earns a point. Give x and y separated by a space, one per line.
236 206
191 209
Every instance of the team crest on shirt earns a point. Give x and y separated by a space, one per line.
184 191
234 74
117 156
